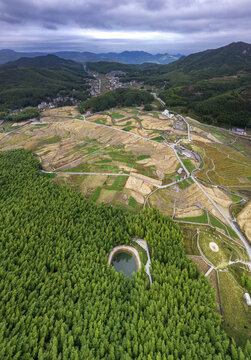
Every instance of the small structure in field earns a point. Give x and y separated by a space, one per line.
248 299
214 247
168 114
238 131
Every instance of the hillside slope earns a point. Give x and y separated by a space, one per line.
213 85
27 81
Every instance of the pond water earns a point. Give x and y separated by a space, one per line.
126 262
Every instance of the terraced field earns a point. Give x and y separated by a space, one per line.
222 166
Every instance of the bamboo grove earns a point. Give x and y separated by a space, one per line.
60 300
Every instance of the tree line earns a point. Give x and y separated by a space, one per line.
117 98
25 114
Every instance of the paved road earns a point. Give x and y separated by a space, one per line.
10 132
123 131
115 174
181 163
229 222
157 98
144 246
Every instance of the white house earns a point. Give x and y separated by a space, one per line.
248 299
238 131
167 113
42 105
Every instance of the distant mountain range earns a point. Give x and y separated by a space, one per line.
126 57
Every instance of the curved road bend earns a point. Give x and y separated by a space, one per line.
10 132
230 223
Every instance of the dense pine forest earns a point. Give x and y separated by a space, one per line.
60 300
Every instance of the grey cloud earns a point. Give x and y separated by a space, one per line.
211 21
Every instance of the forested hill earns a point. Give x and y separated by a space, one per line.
28 81
59 299
48 61
212 85
226 60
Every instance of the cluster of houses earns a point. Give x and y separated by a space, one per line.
94 84
238 131
59 99
190 154
113 80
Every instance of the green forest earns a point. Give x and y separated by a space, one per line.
60 300
27 113
27 82
116 98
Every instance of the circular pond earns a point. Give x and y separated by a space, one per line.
126 262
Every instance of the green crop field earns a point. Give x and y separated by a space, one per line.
236 198
51 140
117 116
216 223
188 164
183 184
132 202
96 194
120 181
143 157
197 219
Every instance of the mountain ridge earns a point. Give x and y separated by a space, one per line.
42 61
127 57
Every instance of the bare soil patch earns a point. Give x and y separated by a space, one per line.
62 111
244 220
150 122
191 211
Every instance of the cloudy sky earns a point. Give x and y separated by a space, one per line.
172 26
